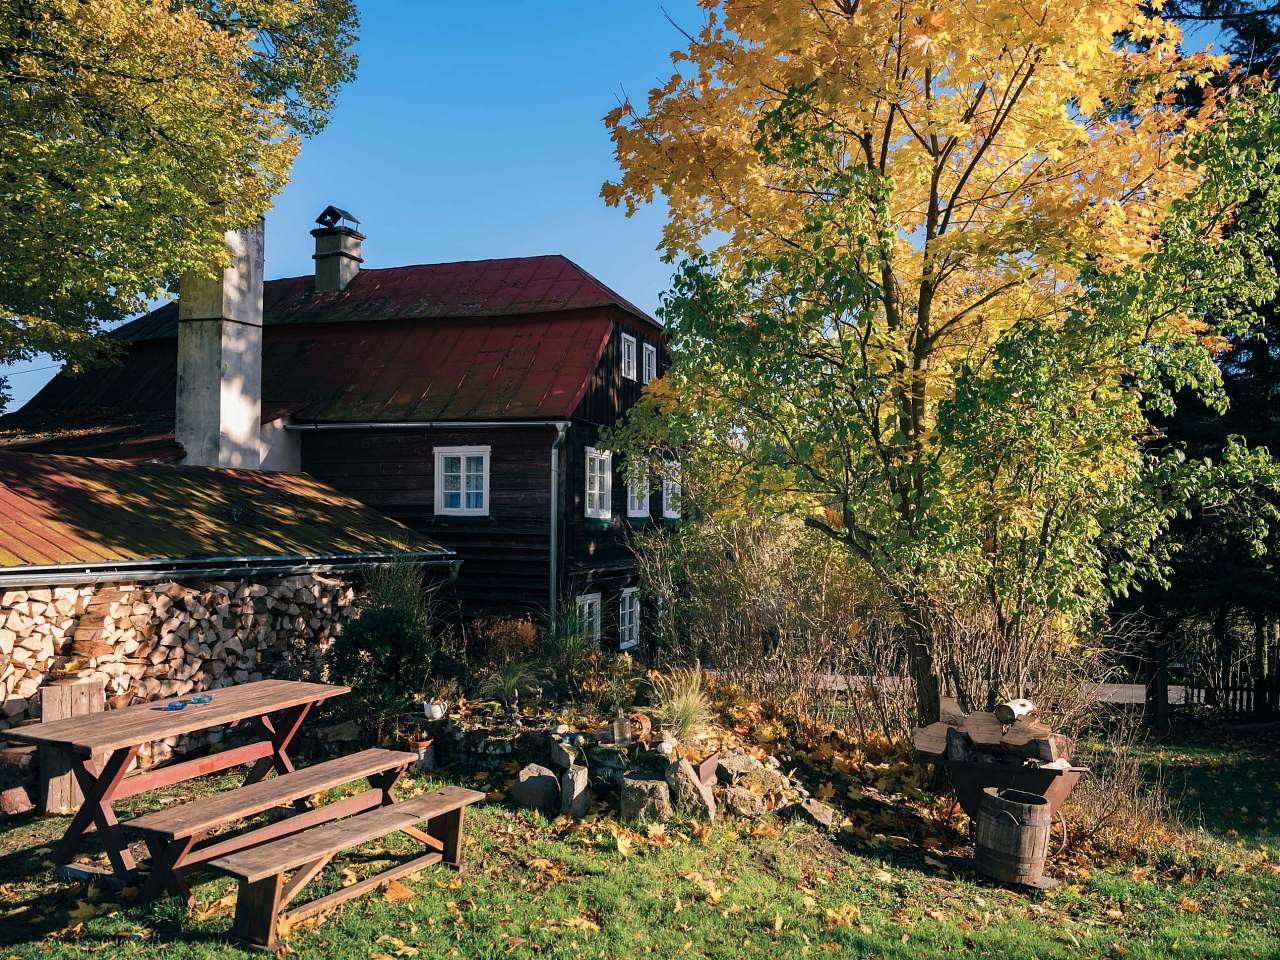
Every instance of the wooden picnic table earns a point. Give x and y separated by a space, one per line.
274 708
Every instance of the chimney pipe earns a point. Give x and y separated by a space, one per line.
219 402
337 253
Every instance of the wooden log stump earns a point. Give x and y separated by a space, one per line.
59 792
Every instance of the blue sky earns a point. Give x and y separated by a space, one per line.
473 131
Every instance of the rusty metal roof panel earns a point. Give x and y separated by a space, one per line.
58 511
468 289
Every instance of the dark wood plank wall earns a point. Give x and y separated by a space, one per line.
609 395
597 554
506 555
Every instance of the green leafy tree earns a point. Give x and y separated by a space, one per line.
958 261
133 135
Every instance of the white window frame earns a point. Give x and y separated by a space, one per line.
629 618
671 489
629 356
462 510
604 510
588 620
637 501
649 366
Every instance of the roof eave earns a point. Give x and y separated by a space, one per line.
130 571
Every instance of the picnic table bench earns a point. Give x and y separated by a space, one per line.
173 834
264 893
272 709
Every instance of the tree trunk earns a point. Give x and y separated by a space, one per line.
1158 691
924 673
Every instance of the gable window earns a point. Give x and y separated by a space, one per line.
462 481
638 494
589 616
629 618
649 371
628 356
599 498
671 491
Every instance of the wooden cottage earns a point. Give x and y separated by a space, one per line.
462 399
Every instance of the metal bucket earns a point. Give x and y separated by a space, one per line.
1013 836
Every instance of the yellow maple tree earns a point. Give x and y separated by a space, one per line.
933 256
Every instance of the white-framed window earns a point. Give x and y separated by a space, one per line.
649 369
638 493
671 491
462 481
589 616
599 493
628 356
629 618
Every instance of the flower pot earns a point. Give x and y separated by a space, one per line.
426 752
434 709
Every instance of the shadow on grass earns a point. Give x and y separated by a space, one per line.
1223 782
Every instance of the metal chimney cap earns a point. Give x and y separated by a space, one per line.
332 216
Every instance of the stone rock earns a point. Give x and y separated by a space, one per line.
575 792
562 754
15 800
741 802
690 794
348 731
812 811
645 797
763 780
607 763
732 765
537 787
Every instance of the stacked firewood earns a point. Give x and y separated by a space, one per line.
1010 733
149 640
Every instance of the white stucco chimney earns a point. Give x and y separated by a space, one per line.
219 403
337 253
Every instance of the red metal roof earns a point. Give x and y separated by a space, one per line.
520 286
75 511
480 340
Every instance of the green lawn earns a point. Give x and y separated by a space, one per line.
539 889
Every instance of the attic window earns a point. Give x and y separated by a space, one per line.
650 370
462 481
628 356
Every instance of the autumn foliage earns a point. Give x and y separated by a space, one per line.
937 260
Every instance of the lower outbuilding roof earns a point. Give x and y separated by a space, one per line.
75 519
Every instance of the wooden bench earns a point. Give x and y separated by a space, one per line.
261 870
173 833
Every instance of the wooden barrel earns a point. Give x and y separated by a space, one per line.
1013 835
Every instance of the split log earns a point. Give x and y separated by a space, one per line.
1014 710
983 729
931 741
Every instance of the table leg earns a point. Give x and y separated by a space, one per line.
98 790
166 858
281 733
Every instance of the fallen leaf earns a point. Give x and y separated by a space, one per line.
395 891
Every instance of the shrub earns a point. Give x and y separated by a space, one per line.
508 681
679 702
492 640
386 654
566 649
